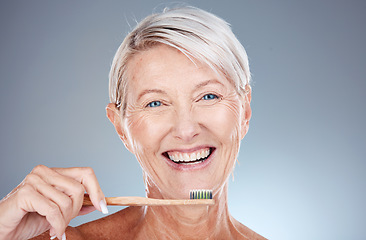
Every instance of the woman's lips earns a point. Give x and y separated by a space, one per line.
189 159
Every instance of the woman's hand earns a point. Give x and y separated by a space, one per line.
48 198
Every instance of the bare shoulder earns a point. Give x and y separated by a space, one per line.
246 233
120 225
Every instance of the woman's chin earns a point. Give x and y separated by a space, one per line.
182 190
175 180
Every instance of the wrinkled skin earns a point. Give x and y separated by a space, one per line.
174 104
184 120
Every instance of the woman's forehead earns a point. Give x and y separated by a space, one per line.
158 59
163 64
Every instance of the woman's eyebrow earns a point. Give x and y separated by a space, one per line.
147 91
200 85
205 83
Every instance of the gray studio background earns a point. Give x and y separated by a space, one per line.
302 165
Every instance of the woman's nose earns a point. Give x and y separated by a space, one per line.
186 126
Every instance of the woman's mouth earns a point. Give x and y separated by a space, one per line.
189 158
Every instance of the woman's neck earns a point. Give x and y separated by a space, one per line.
188 222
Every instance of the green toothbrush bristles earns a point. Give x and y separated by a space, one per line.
200 194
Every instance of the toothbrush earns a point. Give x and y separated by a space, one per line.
197 197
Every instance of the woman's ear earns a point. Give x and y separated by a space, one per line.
114 115
247 111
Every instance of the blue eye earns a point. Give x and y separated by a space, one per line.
209 96
154 104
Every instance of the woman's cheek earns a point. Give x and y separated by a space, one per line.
223 119
147 129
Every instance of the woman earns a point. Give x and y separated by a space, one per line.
180 101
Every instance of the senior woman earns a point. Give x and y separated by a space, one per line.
180 102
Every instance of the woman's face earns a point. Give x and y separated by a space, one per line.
183 122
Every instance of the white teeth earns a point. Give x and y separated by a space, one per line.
188 157
206 154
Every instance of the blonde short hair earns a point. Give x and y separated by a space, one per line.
198 34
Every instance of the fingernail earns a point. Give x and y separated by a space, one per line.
103 206
63 237
53 237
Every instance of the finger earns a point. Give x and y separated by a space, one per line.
63 201
32 201
74 189
87 178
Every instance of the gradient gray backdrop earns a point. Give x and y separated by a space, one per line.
302 164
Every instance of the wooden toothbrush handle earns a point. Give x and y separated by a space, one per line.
142 201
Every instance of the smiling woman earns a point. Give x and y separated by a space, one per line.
180 102
199 113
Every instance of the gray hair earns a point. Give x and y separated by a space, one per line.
198 34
